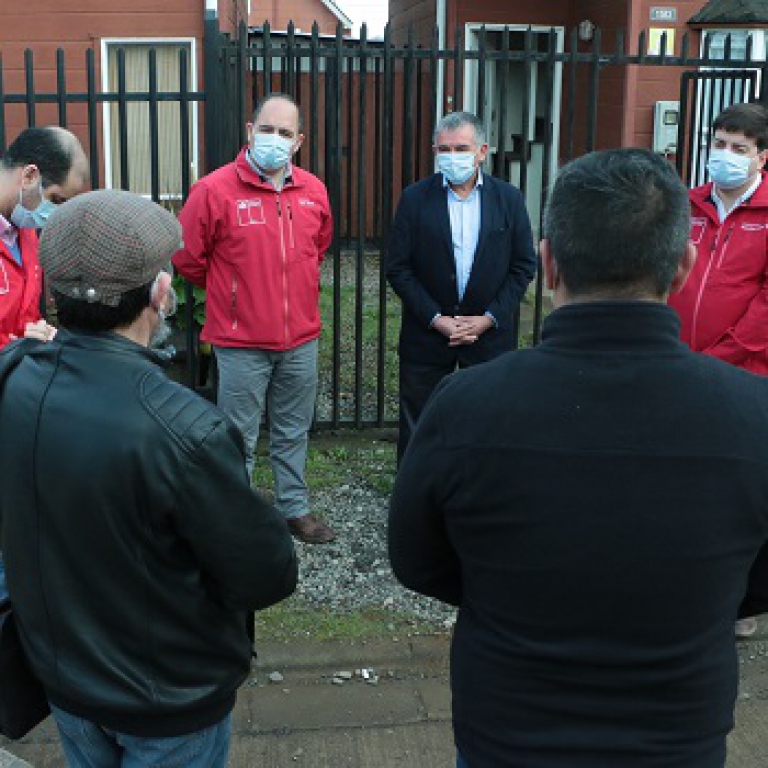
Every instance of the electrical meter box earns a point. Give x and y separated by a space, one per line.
666 116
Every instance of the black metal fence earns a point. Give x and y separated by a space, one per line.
369 108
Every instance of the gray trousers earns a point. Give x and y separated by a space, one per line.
287 383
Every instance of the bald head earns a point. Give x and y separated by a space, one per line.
50 159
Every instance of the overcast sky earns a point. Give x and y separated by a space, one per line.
373 12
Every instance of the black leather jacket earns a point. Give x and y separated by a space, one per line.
132 540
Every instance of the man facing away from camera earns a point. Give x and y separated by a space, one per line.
596 507
133 542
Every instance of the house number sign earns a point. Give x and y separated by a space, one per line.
663 14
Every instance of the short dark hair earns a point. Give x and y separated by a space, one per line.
276 95
749 119
618 223
97 318
45 148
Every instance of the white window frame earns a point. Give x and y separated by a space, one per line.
117 42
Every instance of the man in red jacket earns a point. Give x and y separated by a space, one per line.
255 233
41 169
723 307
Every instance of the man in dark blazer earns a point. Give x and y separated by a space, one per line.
460 258
597 507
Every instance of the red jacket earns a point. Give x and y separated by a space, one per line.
20 287
257 252
723 306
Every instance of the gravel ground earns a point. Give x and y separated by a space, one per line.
353 572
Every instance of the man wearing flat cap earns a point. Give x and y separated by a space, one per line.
133 543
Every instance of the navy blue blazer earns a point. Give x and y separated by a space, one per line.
422 270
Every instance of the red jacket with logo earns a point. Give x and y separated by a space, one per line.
20 287
257 252
723 306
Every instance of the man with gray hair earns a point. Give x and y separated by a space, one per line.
460 258
596 507
133 542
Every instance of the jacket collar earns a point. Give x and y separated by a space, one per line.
702 198
619 326
249 175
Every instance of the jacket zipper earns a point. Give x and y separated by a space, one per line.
290 225
234 302
697 305
725 246
285 269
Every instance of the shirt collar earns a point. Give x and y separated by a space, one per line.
478 183
286 176
8 233
720 205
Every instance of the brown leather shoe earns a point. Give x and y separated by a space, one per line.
309 529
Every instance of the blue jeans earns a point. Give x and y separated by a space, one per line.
87 745
460 761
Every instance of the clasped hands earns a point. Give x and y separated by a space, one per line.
461 330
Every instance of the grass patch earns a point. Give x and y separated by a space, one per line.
293 620
333 462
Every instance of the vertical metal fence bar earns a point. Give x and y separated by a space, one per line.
362 149
348 143
267 40
377 154
93 119
314 87
594 86
122 116
549 119
242 74
458 73
192 336
335 193
684 131
154 136
502 70
570 117
29 77
61 88
387 173
419 119
525 111
213 108
482 55
434 64
407 145
290 62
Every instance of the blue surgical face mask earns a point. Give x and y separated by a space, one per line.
457 167
271 151
727 169
24 218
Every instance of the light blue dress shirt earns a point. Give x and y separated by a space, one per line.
465 230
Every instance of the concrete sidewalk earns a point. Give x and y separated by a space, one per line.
400 720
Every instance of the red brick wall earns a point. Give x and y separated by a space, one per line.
77 26
303 13
647 85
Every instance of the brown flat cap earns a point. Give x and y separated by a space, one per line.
102 244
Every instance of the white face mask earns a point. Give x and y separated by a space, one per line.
271 151
32 218
729 170
457 167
